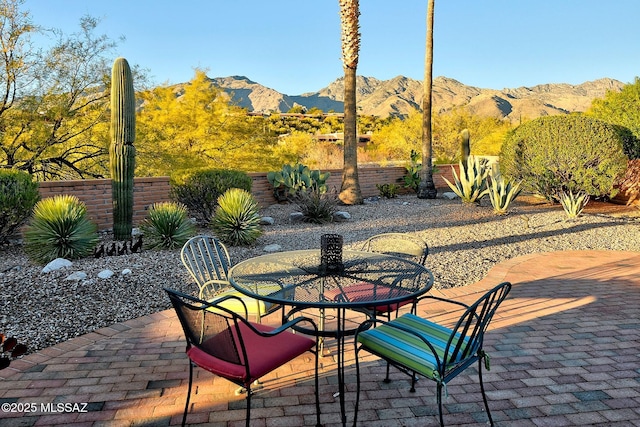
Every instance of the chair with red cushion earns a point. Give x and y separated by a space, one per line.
226 344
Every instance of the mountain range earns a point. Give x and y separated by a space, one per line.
401 95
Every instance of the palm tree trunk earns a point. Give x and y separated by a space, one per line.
350 193
427 188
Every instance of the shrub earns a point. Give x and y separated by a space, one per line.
18 195
236 220
317 207
167 226
564 153
388 190
199 190
59 228
472 183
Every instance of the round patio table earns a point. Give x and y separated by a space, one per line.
305 279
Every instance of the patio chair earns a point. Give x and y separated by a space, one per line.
398 244
208 262
419 346
228 345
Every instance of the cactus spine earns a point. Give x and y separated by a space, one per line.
121 151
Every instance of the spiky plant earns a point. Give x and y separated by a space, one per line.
59 228
167 226
471 186
237 220
315 206
573 204
502 192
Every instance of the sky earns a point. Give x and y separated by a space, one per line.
293 46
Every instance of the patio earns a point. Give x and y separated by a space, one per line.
564 347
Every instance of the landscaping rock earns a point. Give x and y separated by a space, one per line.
56 264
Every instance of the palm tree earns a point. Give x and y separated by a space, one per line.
350 193
427 189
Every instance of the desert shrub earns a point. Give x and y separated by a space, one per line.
388 191
316 207
236 220
555 154
167 226
200 189
59 228
18 195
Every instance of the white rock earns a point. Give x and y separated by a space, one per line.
272 248
449 195
125 272
105 274
296 216
77 276
56 264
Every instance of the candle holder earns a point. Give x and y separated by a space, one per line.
331 253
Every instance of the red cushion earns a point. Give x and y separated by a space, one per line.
364 292
264 353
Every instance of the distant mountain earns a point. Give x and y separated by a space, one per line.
400 95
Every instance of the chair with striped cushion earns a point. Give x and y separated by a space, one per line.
419 346
207 261
226 344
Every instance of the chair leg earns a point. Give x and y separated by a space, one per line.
440 404
186 405
249 393
355 409
317 384
484 396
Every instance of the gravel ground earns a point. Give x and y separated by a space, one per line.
42 309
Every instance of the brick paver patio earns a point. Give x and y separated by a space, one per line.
565 351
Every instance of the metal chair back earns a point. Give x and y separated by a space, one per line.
398 244
206 259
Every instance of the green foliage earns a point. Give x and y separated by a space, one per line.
573 204
623 109
293 179
412 177
236 220
471 186
316 207
559 153
122 153
388 191
502 192
200 189
59 228
167 226
18 195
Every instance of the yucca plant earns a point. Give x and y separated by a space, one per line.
573 204
167 226
237 220
471 186
59 228
502 192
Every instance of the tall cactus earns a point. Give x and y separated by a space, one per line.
122 153
464 146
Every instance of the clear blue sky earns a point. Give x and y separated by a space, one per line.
293 46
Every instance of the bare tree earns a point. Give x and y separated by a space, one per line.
427 188
349 12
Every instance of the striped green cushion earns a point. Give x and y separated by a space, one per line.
407 349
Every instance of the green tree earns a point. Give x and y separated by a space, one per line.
427 188
349 19
196 126
53 102
623 109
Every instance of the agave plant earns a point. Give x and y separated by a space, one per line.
237 220
502 192
573 204
317 207
59 228
471 186
167 226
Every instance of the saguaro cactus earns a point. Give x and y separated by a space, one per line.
464 146
122 153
